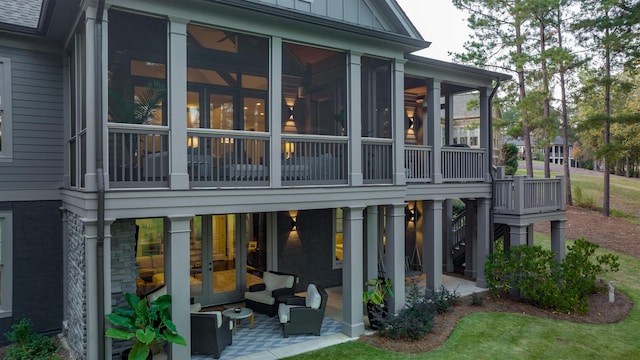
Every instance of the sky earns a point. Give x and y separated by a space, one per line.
439 22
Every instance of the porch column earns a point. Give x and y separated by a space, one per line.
177 98
399 175
88 46
372 242
106 265
275 83
517 235
471 241
447 236
432 127
355 118
91 287
432 243
530 235
394 255
352 279
176 279
483 239
485 133
558 234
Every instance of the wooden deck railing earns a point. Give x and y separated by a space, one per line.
377 161
521 195
417 164
130 148
314 160
462 164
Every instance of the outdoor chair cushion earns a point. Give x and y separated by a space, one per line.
313 298
263 296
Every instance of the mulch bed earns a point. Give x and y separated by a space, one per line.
601 311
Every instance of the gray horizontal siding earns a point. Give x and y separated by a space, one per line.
355 12
38 121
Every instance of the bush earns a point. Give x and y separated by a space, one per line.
510 156
532 274
581 200
413 321
27 345
444 299
476 299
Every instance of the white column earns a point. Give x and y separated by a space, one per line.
372 242
177 98
399 176
483 239
91 277
485 134
106 265
275 110
352 279
432 243
176 278
558 234
355 119
90 104
394 255
432 127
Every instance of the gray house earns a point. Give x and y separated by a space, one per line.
197 144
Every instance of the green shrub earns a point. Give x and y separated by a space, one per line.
29 346
444 299
532 274
413 321
476 299
510 156
582 200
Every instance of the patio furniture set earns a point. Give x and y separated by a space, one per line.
211 331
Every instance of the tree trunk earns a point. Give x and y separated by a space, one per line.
523 94
565 121
606 211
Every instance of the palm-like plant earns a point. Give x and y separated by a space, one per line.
146 323
377 291
143 108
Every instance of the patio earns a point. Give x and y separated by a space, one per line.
265 340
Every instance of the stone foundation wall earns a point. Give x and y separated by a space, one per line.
77 305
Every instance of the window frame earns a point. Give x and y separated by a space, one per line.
6 244
6 151
337 264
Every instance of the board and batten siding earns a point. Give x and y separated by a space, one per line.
38 123
355 12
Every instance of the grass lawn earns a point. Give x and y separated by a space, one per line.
512 336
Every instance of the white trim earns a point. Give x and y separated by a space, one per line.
6 152
6 259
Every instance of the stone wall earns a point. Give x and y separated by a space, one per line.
77 321
123 268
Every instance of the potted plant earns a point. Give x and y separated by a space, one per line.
148 324
376 299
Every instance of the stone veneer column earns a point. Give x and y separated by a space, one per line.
77 319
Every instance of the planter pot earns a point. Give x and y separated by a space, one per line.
125 355
376 313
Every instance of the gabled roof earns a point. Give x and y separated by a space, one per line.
52 19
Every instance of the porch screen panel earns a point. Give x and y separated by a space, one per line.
376 98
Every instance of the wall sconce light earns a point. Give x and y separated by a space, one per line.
293 220
290 126
289 148
192 141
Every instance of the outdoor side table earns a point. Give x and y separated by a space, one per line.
242 314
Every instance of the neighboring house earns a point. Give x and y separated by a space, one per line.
556 155
197 144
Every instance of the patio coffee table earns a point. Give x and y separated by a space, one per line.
242 314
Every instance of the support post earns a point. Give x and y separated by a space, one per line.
558 235
483 239
354 120
394 255
177 98
177 280
432 126
432 243
372 242
352 279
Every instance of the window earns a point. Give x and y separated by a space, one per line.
337 239
6 148
376 98
6 257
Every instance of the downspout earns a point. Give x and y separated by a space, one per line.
493 182
100 177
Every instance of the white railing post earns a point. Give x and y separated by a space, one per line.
518 193
561 192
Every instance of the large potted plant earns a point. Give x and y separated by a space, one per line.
148 324
376 299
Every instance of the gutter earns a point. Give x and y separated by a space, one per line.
100 177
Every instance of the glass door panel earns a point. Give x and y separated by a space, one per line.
221 111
